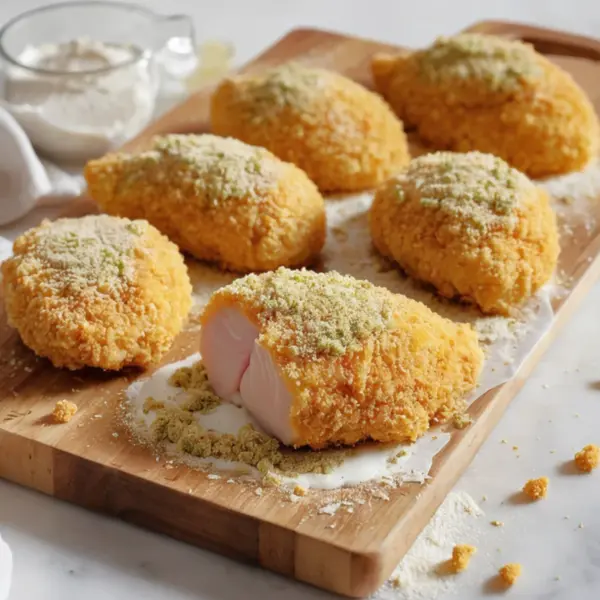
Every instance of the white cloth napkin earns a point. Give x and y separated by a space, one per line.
67 183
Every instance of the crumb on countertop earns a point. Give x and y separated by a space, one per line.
64 411
461 556
588 458
510 573
497 523
462 420
536 489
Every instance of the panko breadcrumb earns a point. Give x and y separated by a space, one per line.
218 199
481 92
588 459
510 573
344 136
461 556
535 489
97 291
64 411
470 225
357 361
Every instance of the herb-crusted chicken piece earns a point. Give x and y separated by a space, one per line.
470 225
344 136
219 199
320 359
486 93
97 291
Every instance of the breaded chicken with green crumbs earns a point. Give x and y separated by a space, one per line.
345 137
97 291
470 225
481 92
320 359
218 199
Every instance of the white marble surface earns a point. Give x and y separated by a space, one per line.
64 553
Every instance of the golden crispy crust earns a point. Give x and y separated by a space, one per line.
342 135
129 319
389 387
263 222
542 123
497 267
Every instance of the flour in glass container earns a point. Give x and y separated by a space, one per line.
86 97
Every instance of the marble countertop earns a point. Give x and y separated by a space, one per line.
63 552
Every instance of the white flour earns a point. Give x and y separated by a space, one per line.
418 576
78 107
367 464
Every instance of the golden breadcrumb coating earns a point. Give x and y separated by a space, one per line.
461 557
480 92
64 411
344 136
97 291
536 489
588 459
470 225
358 361
218 199
510 573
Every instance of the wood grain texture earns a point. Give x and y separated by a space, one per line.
84 462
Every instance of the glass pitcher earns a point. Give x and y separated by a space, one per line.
87 109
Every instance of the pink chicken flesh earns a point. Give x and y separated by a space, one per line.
241 371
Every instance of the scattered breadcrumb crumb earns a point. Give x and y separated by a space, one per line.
258 491
213 476
462 420
63 411
300 491
461 556
510 573
497 523
536 488
588 459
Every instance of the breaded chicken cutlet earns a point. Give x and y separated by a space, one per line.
342 135
97 291
219 199
321 358
481 92
470 225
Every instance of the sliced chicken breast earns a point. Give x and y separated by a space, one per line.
324 359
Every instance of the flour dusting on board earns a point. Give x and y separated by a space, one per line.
419 575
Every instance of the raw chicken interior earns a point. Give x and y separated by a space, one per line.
242 372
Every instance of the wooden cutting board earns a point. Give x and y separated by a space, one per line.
90 461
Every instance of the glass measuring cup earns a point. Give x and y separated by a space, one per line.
91 107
